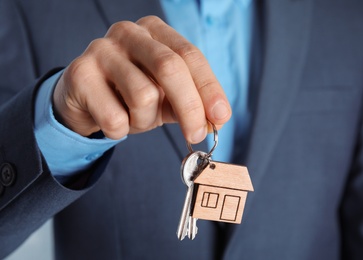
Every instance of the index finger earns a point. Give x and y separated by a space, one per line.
215 103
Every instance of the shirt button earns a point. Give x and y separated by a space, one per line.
93 157
7 174
216 21
209 20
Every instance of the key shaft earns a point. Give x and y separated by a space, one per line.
190 169
183 226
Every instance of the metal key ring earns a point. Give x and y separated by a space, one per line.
215 132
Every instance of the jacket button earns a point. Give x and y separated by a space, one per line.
7 174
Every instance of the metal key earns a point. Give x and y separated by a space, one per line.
189 166
190 169
184 227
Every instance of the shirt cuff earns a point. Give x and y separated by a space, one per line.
66 152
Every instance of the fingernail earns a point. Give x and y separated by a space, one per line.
220 111
199 135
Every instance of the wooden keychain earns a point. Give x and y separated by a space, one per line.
217 191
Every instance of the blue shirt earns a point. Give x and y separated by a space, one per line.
221 30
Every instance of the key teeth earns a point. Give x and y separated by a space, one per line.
196 231
194 234
181 238
181 235
191 235
192 228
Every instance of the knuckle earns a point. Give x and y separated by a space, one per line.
76 71
114 124
79 74
192 108
148 20
100 49
168 65
122 27
96 45
192 56
142 107
189 52
142 125
207 84
147 97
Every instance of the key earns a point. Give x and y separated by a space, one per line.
191 166
188 166
193 229
184 227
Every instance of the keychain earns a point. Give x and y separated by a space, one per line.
216 191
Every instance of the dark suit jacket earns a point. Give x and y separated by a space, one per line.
304 153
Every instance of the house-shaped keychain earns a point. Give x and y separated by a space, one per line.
221 192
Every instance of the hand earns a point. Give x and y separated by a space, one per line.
138 77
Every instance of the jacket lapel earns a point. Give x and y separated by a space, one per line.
285 29
285 35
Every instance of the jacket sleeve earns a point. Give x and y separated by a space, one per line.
29 195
